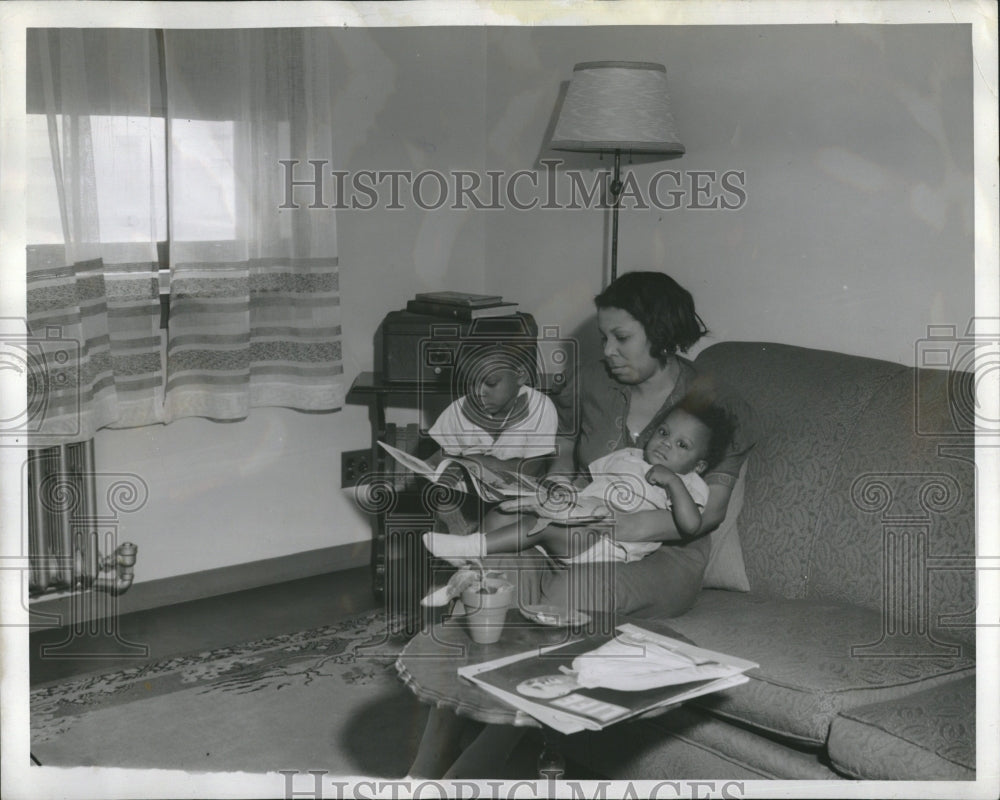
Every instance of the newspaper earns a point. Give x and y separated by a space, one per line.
545 682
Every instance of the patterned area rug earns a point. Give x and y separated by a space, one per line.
321 699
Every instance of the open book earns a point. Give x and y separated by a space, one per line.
566 686
492 484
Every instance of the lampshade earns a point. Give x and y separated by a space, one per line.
617 105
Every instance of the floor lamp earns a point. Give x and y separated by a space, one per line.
616 107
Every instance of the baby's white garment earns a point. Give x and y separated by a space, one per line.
620 479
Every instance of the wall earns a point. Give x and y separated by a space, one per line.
856 233
856 143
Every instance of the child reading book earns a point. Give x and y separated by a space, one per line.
665 475
500 421
499 415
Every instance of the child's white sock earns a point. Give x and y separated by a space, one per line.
457 550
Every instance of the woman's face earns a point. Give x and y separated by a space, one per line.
626 348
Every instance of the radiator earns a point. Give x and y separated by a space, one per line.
64 527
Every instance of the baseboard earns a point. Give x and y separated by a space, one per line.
81 607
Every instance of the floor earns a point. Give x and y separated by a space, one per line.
224 620
203 624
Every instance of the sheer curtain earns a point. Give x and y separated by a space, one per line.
93 303
254 300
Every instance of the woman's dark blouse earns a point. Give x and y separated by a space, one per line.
597 421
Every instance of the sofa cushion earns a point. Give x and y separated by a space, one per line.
807 672
899 515
804 404
929 735
685 742
725 569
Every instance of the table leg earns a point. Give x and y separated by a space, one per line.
551 764
439 745
487 755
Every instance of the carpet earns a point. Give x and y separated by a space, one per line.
325 699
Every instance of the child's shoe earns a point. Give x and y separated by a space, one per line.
457 584
457 550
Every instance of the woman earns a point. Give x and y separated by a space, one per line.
645 319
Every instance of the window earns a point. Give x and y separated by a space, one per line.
205 209
132 168
194 194
129 193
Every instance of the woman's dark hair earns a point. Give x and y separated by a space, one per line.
663 307
715 418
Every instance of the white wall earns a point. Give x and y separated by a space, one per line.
857 232
856 142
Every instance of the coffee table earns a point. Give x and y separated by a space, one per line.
429 663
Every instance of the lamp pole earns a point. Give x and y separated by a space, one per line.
616 193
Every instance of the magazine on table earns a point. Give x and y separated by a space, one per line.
491 483
585 684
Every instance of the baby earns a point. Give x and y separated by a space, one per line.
665 475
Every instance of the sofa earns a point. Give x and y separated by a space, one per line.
854 533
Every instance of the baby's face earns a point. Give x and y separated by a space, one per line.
680 443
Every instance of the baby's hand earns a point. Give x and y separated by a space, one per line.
660 475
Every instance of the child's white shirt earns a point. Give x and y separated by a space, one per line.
619 478
531 435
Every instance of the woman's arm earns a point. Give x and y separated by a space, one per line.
659 526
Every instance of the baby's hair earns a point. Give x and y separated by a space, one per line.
716 419
663 307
